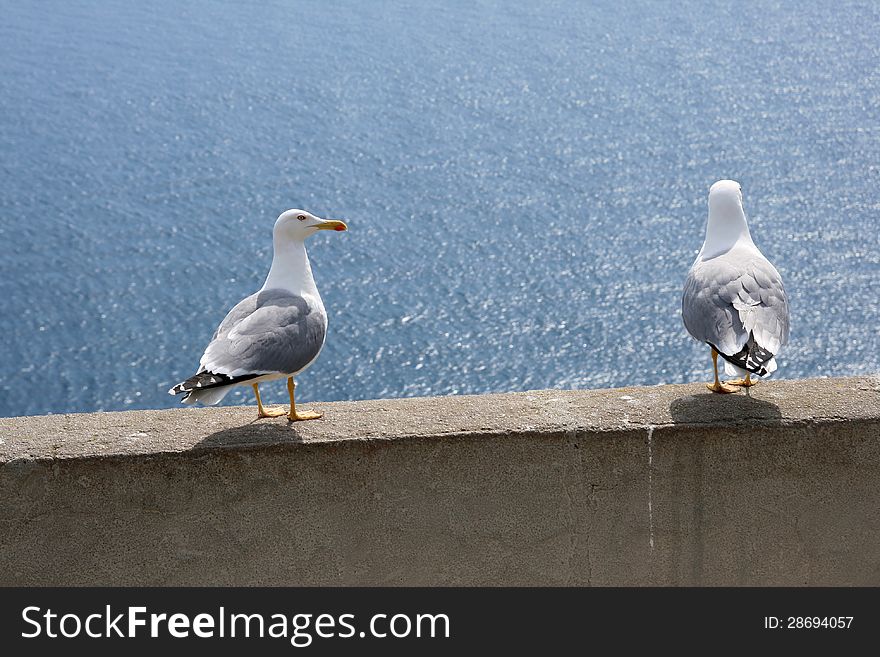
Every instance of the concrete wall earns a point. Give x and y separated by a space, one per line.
661 485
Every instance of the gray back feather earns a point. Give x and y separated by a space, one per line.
728 297
272 331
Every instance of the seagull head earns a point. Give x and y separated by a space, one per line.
726 197
727 223
296 225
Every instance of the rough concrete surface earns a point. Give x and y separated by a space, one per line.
657 485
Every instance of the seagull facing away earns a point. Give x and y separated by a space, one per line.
733 297
275 333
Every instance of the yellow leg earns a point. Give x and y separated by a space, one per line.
262 412
293 416
744 383
718 386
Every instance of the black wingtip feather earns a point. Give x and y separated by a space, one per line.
205 380
751 357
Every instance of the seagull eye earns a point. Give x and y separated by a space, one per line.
302 217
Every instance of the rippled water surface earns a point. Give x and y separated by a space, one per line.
525 186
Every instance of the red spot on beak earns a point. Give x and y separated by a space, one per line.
338 228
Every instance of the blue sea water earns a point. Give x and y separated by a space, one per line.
525 185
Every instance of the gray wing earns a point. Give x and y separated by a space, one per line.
728 304
272 331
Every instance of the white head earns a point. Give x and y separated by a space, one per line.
726 196
290 268
296 225
727 220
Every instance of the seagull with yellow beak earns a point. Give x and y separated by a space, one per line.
733 296
275 333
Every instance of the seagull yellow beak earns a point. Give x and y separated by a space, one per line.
332 224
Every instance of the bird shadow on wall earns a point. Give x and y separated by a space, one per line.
253 434
713 408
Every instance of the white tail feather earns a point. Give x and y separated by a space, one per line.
208 397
